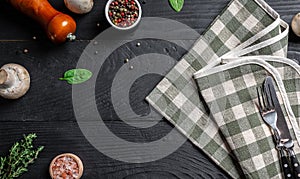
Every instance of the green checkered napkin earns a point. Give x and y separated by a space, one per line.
230 93
239 26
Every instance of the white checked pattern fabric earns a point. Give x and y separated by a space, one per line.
245 27
236 112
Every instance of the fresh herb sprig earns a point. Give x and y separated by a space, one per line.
21 154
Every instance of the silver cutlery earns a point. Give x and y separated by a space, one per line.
285 136
269 115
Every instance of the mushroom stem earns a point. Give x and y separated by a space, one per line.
3 76
6 79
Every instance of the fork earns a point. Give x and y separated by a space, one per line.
269 115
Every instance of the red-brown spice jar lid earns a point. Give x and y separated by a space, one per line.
66 165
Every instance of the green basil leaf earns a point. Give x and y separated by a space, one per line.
76 76
176 4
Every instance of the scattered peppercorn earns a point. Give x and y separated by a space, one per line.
25 50
123 13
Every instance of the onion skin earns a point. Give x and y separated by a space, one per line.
56 24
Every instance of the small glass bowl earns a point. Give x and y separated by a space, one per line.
126 27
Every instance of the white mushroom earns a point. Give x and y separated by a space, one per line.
79 6
14 81
296 24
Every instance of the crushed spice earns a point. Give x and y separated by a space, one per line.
65 167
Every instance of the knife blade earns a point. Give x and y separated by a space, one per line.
285 136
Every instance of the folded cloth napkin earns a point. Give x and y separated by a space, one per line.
230 93
244 27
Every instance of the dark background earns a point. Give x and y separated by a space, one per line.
47 107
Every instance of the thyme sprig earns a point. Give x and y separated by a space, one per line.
21 154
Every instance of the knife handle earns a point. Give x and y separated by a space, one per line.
284 161
295 165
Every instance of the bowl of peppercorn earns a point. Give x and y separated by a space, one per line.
123 14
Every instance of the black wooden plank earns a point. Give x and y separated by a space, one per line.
47 110
51 99
48 98
196 14
186 162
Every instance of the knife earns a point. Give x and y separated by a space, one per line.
285 136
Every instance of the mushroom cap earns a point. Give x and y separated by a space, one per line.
20 80
79 6
296 24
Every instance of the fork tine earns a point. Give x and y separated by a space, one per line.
259 101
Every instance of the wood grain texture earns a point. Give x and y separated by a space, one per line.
47 108
186 162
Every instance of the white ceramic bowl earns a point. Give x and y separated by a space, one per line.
123 28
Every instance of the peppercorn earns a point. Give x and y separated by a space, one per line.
123 13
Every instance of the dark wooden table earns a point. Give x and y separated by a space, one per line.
47 108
